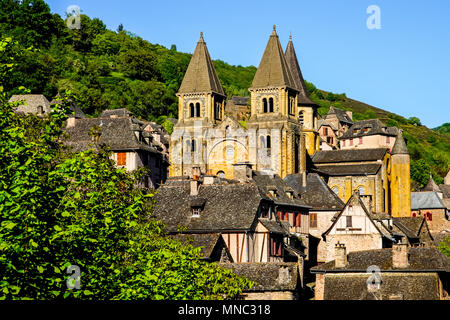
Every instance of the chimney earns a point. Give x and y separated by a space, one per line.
304 179
242 171
340 255
196 173
71 122
350 114
208 179
195 184
400 256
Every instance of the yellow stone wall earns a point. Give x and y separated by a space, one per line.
400 186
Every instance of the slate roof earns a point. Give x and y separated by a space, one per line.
272 276
445 189
267 183
291 58
274 227
341 115
400 145
420 260
323 122
31 102
349 169
411 226
121 113
241 101
375 126
200 75
228 206
117 133
273 70
350 155
207 241
317 193
431 186
426 200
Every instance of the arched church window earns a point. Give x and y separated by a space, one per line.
268 142
193 145
221 174
262 142
270 104
188 145
264 100
191 110
197 109
301 117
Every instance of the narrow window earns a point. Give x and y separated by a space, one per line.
268 142
298 220
188 145
388 139
121 158
192 110
343 143
264 105
313 220
270 104
193 146
351 142
195 212
197 109
349 221
301 117
360 140
262 142
325 130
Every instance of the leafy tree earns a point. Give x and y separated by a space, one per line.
444 247
415 121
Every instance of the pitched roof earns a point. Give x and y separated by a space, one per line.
413 227
323 122
291 58
349 169
420 259
350 155
207 241
120 113
375 126
31 102
431 186
341 115
426 200
117 133
400 145
273 226
273 276
273 70
200 75
445 189
228 206
317 193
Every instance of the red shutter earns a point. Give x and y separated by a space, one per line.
121 158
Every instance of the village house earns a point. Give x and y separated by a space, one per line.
243 212
397 273
238 108
328 135
428 204
338 120
324 203
366 134
32 103
132 145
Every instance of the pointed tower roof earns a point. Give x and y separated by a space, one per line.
200 75
273 70
291 58
400 144
431 186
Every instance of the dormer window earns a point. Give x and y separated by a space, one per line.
355 131
366 129
196 212
290 194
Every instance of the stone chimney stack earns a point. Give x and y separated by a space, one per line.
350 114
340 255
242 171
196 173
195 182
71 122
400 256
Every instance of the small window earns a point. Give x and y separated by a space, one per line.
313 220
197 109
195 212
270 104
355 131
349 221
264 100
268 142
388 139
325 130
429 216
298 219
192 110
360 140
366 129
343 143
193 146
301 117
40 110
121 158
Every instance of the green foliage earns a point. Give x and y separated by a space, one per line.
415 121
445 128
444 247
59 208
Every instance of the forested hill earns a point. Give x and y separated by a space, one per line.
117 69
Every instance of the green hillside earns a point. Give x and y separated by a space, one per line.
445 128
117 69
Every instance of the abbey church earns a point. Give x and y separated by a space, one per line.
281 135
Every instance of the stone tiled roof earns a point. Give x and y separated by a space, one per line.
273 70
445 189
291 58
274 226
200 75
207 241
117 133
350 155
323 122
349 169
412 226
375 126
420 259
400 145
121 113
340 114
426 200
275 183
431 186
31 102
228 206
317 193
273 276
241 101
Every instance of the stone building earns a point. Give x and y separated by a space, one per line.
328 135
366 134
281 129
32 103
132 145
428 204
273 281
398 273
338 120
324 203
238 108
243 212
380 176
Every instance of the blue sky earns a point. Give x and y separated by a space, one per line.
404 67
